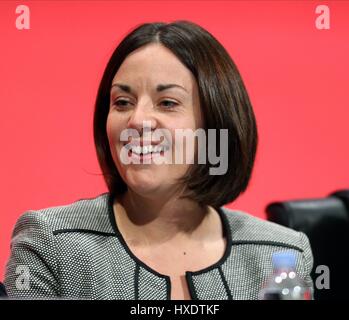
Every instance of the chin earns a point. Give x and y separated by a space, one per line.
142 181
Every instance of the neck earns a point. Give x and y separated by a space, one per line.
156 220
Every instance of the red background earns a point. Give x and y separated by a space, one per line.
297 77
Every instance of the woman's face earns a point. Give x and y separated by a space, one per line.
169 108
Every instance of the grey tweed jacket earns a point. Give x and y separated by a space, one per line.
77 252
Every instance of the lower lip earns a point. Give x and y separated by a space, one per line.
140 158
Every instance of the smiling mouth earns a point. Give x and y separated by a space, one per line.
146 151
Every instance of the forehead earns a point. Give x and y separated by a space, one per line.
154 64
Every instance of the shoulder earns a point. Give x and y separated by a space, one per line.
87 214
258 239
35 248
245 228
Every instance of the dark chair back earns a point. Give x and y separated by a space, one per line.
2 290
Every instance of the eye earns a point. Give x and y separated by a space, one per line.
169 104
121 103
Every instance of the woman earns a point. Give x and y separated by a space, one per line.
161 231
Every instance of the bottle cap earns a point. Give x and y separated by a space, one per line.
284 260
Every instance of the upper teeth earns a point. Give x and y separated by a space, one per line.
146 149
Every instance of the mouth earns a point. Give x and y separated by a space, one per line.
144 152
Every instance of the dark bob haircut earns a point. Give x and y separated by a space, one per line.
224 104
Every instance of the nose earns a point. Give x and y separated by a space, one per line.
142 117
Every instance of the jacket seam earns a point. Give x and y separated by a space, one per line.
55 273
101 233
226 287
191 286
168 289
136 282
58 266
267 242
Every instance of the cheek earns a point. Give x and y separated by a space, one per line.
109 128
113 130
183 145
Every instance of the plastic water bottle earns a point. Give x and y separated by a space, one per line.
284 284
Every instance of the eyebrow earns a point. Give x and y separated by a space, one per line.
159 87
